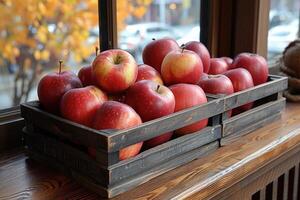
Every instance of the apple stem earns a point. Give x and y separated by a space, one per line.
158 86
96 49
182 48
153 39
60 64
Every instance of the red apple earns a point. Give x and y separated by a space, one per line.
146 72
155 51
86 76
114 70
217 66
116 115
158 140
203 77
151 100
217 84
186 96
80 105
241 79
255 64
202 52
228 60
181 66
53 86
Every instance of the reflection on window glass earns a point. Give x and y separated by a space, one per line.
35 34
141 20
283 25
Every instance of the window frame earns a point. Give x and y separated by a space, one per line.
228 17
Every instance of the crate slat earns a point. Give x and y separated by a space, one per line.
159 154
233 137
239 123
277 84
165 124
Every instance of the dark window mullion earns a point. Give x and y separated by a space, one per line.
205 8
107 24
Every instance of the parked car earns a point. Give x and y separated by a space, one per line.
192 35
135 37
280 36
279 17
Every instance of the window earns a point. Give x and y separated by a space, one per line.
33 37
140 21
283 25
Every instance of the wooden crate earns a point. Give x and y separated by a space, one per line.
268 104
50 139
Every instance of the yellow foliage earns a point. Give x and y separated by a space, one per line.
136 8
55 28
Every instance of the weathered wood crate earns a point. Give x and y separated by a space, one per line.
62 144
268 104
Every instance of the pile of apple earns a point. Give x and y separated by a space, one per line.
115 93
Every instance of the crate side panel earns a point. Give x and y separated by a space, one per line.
37 118
240 122
255 93
165 124
163 168
67 155
233 137
159 154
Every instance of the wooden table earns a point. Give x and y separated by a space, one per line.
262 164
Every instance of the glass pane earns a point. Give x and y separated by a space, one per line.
284 25
35 34
141 20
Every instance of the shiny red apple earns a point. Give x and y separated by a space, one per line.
146 72
202 52
217 84
155 51
217 66
85 74
241 79
116 115
114 70
186 96
181 66
228 60
203 76
158 140
151 100
255 64
81 104
53 86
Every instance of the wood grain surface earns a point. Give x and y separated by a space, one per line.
205 178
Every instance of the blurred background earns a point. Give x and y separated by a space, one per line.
283 25
35 34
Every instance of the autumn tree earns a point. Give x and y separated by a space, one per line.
35 34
